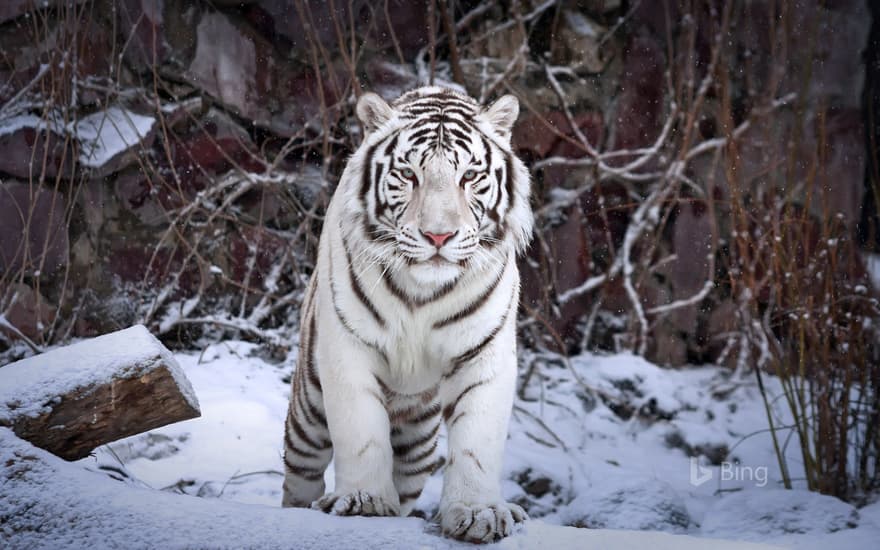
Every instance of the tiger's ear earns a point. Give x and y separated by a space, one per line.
373 112
502 114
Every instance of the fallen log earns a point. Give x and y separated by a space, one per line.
72 399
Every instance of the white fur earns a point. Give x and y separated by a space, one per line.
416 354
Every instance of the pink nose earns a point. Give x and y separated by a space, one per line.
437 239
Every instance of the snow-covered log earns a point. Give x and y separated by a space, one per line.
48 503
73 399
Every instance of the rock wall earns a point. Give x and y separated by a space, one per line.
167 161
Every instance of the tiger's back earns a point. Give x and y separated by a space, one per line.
409 318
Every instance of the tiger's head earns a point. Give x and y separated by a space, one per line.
439 190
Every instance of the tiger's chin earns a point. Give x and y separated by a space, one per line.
435 272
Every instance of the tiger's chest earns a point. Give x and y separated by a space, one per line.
423 343
418 351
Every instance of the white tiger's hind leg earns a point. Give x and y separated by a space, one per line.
307 449
414 433
477 400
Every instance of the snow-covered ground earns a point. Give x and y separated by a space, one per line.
598 442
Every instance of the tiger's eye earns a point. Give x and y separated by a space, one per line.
408 173
469 175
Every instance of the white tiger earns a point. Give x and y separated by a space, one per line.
410 316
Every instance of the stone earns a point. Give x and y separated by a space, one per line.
34 149
388 79
408 21
226 66
598 6
579 39
33 229
534 136
667 347
239 68
12 9
112 138
640 104
841 142
28 311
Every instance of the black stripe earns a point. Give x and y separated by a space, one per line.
391 145
476 304
459 361
365 177
421 456
493 212
451 423
377 178
449 410
426 469
313 410
508 183
405 497
439 101
422 132
311 372
441 292
300 433
429 413
402 449
309 474
359 291
307 371
290 446
420 140
341 317
394 289
409 301
472 455
458 133
298 398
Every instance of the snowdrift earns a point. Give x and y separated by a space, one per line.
46 502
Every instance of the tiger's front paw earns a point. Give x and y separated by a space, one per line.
480 522
358 503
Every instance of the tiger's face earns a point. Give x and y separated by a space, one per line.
441 191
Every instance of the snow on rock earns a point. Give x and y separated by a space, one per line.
13 124
49 503
126 352
106 138
635 504
757 514
107 134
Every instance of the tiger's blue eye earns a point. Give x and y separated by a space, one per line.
469 175
408 173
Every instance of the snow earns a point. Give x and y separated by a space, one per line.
597 441
13 124
102 135
48 503
772 512
105 134
28 385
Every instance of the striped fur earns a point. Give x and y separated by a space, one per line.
409 319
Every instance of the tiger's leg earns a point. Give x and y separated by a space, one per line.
477 399
359 427
307 449
415 427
